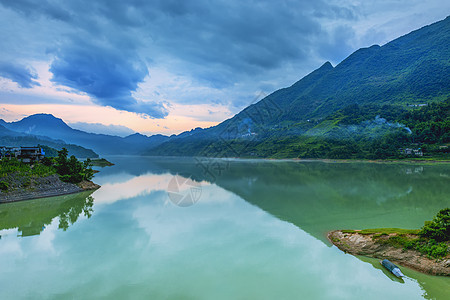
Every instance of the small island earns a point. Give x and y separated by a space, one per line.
425 250
32 176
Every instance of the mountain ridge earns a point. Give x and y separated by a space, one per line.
49 127
412 69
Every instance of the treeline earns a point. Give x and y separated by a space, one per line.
362 132
48 145
356 131
70 169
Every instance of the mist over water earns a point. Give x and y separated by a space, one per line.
369 129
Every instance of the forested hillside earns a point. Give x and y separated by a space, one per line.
375 103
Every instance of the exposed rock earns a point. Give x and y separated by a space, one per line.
358 244
48 186
88 185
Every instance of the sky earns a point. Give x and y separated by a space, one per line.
167 66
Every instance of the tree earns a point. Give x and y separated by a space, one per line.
71 169
439 228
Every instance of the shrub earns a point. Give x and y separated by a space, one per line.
439 228
4 185
431 248
71 169
47 161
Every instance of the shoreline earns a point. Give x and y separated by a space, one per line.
49 186
363 244
324 160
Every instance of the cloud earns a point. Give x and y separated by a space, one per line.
118 130
33 8
117 52
106 73
19 74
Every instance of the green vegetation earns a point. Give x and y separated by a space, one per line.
4 185
15 166
13 172
332 112
71 169
383 231
354 132
432 240
50 146
101 162
16 174
439 228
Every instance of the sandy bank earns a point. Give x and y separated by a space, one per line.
358 244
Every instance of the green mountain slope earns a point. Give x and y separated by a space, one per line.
411 70
11 138
46 125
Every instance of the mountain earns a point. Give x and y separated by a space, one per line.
11 138
55 128
408 72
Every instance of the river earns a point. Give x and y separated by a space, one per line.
185 228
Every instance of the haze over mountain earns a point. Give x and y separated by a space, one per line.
412 69
99 128
12 138
372 90
49 126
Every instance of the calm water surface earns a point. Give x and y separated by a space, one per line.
255 230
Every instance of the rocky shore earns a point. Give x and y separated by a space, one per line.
364 244
48 186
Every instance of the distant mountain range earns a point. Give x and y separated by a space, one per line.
411 71
17 139
45 129
376 101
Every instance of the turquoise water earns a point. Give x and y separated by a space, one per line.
256 230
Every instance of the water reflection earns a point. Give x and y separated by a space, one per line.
433 287
229 244
31 217
377 265
319 197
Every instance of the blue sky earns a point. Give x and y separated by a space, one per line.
169 66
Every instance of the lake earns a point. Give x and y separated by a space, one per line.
185 228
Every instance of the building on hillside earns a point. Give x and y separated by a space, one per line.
411 151
8 152
30 154
25 154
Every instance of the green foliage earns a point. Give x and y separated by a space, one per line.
46 161
354 132
15 166
4 185
431 247
71 169
431 240
388 231
49 151
439 228
101 162
428 247
49 146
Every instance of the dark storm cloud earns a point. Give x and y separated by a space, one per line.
106 48
34 8
216 43
107 73
19 74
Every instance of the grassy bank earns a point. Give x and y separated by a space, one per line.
433 239
14 174
101 162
